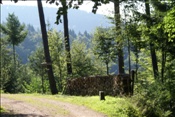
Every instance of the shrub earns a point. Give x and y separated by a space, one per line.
155 100
126 109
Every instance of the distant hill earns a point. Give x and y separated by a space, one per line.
79 21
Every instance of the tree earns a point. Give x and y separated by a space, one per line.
152 48
119 40
66 36
46 49
81 61
6 61
169 24
105 46
36 65
14 32
163 29
57 52
62 11
11 82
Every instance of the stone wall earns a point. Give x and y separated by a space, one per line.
111 85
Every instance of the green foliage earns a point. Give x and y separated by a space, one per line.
39 81
35 85
82 60
11 80
104 46
2 110
14 30
154 100
169 26
58 56
14 33
6 62
30 43
36 59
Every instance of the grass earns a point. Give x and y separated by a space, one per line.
2 110
112 106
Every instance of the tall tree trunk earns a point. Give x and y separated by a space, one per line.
46 49
163 63
137 61
152 49
118 29
107 68
0 54
129 57
66 36
14 57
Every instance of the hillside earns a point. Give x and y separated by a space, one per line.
79 21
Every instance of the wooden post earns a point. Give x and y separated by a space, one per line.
102 95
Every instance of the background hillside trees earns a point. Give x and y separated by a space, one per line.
14 32
84 61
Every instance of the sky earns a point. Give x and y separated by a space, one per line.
86 6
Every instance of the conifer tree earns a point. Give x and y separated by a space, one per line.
15 32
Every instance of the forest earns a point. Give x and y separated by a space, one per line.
42 60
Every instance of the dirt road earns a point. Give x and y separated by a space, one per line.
41 107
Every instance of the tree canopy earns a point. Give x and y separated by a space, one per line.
14 31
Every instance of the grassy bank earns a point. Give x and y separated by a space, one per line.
112 106
2 110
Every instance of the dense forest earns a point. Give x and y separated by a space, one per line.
139 41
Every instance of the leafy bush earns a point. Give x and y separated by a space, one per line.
155 100
127 110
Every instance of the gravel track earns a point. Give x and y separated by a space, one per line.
41 107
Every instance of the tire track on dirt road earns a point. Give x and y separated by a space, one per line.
42 107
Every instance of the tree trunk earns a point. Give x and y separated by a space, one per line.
0 57
152 49
66 36
163 63
14 58
129 57
137 61
46 49
107 68
118 29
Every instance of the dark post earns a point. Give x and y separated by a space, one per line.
132 82
102 95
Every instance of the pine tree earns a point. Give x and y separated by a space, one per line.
15 32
